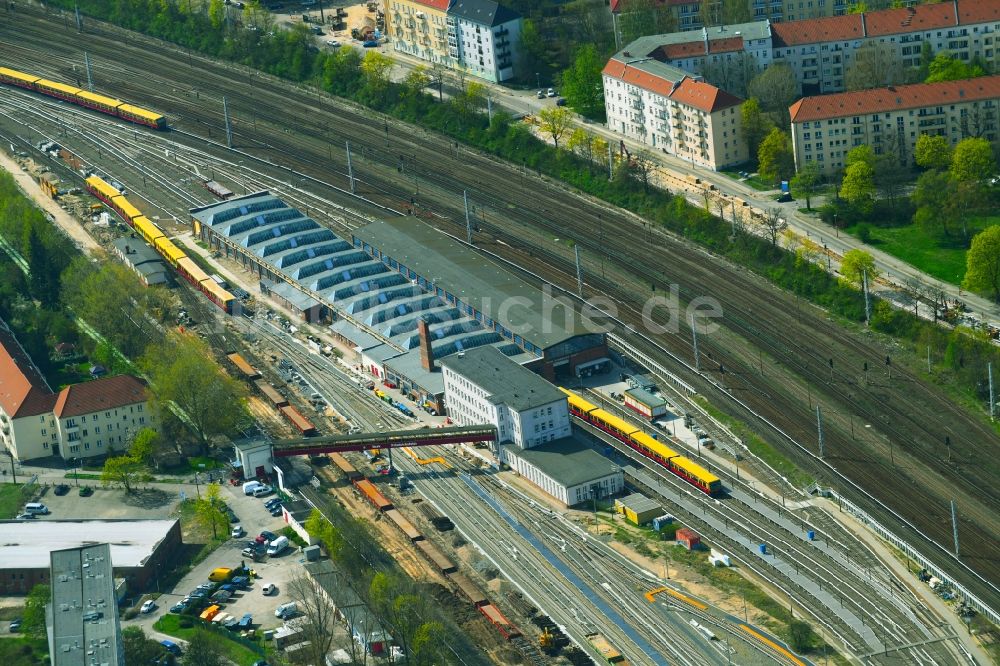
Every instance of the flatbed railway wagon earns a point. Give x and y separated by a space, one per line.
346 468
609 653
405 526
503 625
436 557
469 589
301 423
371 493
276 399
74 95
247 371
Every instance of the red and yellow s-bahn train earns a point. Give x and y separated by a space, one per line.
153 235
690 471
108 105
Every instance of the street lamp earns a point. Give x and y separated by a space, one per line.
538 79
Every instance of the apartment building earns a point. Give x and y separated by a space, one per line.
420 28
479 37
688 14
483 37
671 110
826 127
80 421
483 385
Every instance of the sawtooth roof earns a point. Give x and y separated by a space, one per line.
894 98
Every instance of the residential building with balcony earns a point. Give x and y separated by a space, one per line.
670 109
826 127
479 37
82 420
420 28
483 37
688 14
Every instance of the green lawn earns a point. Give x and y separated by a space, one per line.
753 181
10 496
942 258
240 654
21 651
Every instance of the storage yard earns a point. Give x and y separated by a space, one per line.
911 481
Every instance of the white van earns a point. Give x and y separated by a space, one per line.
278 546
250 486
285 611
36 508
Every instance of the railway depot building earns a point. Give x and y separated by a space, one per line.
141 550
402 294
566 469
825 128
82 420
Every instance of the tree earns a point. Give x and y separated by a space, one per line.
644 17
946 67
319 616
756 125
43 275
33 618
184 375
138 647
470 100
216 13
554 121
934 196
858 186
982 272
875 65
202 650
732 74
322 530
926 58
857 264
724 12
775 159
416 80
775 88
209 510
932 152
127 469
890 176
973 161
800 636
772 224
805 183
582 84
376 67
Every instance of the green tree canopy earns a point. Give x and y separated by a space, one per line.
555 121
875 65
202 650
375 67
858 186
139 648
945 67
33 619
639 18
756 125
932 152
805 183
982 272
775 158
856 264
934 196
973 161
776 88
582 85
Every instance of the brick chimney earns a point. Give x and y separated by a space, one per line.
426 352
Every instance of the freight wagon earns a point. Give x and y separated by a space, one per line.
269 392
301 423
503 625
436 557
371 493
609 653
405 526
346 468
248 371
469 589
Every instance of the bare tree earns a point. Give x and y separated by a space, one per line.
643 164
773 224
319 617
876 64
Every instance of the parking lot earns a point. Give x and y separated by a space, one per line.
276 570
158 501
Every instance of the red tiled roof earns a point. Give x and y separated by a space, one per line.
725 45
910 19
683 50
434 4
895 98
23 391
99 395
978 11
698 94
704 96
811 31
636 77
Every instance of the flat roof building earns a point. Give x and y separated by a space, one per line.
82 618
638 508
140 549
142 259
485 386
567 470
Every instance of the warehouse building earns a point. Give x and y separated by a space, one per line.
566 469
141 259
82 618
141 550
485 386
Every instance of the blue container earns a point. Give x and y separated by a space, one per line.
763 548
811 535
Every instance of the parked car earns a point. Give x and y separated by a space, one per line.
25 516
276 511
333 43
561 101
261 491
15 624
785 198
271 502
268 536
148 606
550 93
237 532
171 647
86 491
61 489
267 591
370 44
540 94
179 607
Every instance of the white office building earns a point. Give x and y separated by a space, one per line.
483 386
483 38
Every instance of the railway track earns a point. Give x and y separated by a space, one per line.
921 416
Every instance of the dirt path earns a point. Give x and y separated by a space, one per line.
69 224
